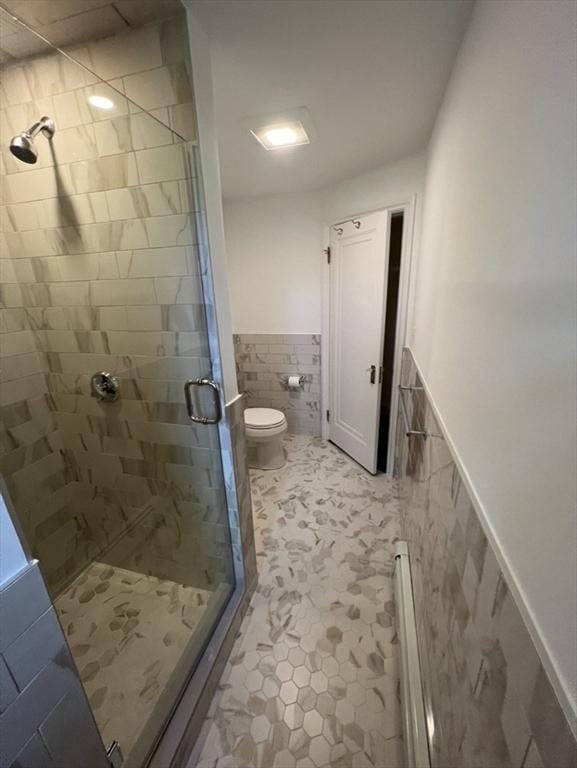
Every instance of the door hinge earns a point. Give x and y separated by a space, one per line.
328 415
114 755
328 253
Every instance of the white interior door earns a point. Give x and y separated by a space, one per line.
358 289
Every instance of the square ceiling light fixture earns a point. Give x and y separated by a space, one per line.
280 131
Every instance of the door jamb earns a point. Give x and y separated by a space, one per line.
406 279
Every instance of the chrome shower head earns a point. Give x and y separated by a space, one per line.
22 146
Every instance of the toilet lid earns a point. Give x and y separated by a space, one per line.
262 418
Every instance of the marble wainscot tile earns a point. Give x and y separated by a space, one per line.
263 363
492 701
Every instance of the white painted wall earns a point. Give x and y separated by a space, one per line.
274 244
274 248
496 308
382 187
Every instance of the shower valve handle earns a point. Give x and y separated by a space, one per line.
105 387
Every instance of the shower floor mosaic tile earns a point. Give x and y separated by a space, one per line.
126 632
312 679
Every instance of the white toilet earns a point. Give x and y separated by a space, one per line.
264 430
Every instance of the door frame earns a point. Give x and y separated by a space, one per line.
404 310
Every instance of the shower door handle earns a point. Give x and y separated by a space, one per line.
216 399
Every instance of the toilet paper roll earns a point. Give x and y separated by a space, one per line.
294 382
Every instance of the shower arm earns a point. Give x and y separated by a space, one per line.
44 125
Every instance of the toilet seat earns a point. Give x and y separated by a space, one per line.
263 418
265 427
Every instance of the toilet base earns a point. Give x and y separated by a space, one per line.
267 454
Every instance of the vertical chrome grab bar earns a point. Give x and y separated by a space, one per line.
216 398
408 430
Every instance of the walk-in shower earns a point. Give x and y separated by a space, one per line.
22 146
121 498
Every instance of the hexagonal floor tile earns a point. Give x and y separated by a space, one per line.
326 705
270 687
337 688
319 682
301 676
320 751
284 671
293 716
330 666
299 742
314 662
356 693
288 692
307 698
280 652
260 728
254 681
345 711
348 672
280 736
313 723
296 657
274 709
284 759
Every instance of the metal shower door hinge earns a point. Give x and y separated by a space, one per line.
114 755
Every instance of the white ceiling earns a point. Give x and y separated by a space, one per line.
371 72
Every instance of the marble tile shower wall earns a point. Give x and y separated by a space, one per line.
99 272
492 702
263 363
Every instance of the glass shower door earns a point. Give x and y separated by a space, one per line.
118 491
139 616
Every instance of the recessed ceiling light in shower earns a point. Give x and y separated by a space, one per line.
100 102
287 129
